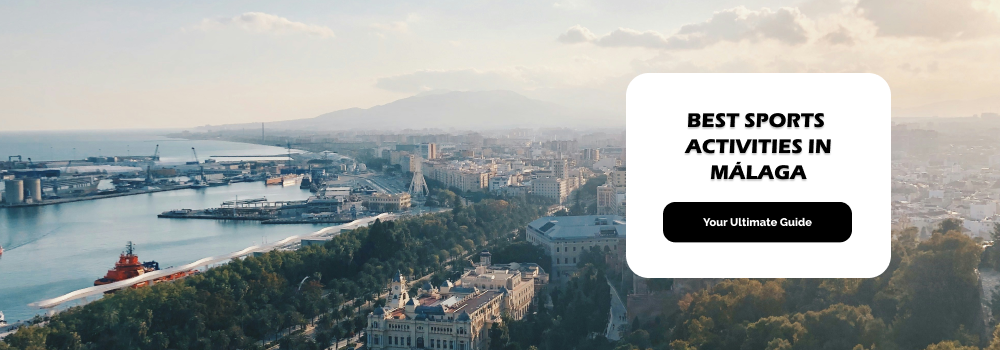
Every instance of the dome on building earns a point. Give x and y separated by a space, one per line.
379 311
464 317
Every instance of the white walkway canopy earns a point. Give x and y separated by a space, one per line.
99 290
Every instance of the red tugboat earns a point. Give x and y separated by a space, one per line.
128 266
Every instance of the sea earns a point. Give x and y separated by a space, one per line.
52 250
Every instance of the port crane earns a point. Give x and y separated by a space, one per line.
203 183
11 159
156 154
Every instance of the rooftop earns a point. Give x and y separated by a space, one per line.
569 227
477 302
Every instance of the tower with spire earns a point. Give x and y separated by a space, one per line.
398 296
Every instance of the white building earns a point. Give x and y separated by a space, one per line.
979 228
980 211
498 183
454 316
565 238
551 187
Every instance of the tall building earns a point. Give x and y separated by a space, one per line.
551 187
560 168
565 238
611 195
617 177
456 315
429 151
607 200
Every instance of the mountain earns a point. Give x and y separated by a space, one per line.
463 110
951 108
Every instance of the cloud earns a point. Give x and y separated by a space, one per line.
944 19
259 22
576 34
734 25
841 36
625 37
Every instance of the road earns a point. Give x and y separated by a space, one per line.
618 320
989 280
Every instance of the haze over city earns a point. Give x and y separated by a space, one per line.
107 65
451 175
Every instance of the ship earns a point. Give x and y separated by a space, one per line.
199 184
286 180
1 249
3 321
274 180
128 266
307 182
291 180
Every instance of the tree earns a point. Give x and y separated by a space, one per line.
248 302
949 225
939 289
523 252
950 345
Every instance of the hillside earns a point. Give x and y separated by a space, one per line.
447 110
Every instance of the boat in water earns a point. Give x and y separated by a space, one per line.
217 183
285 180
1 249
292 180
3 321
128 266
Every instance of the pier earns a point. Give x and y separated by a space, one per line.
94 197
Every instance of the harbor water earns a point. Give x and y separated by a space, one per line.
52 250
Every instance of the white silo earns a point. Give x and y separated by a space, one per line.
14 191
34 187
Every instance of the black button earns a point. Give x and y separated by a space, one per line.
757 222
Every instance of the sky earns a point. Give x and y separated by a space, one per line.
179 64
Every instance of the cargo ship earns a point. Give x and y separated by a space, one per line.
128 266
286 180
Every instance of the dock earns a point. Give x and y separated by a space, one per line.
94 197
262 216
